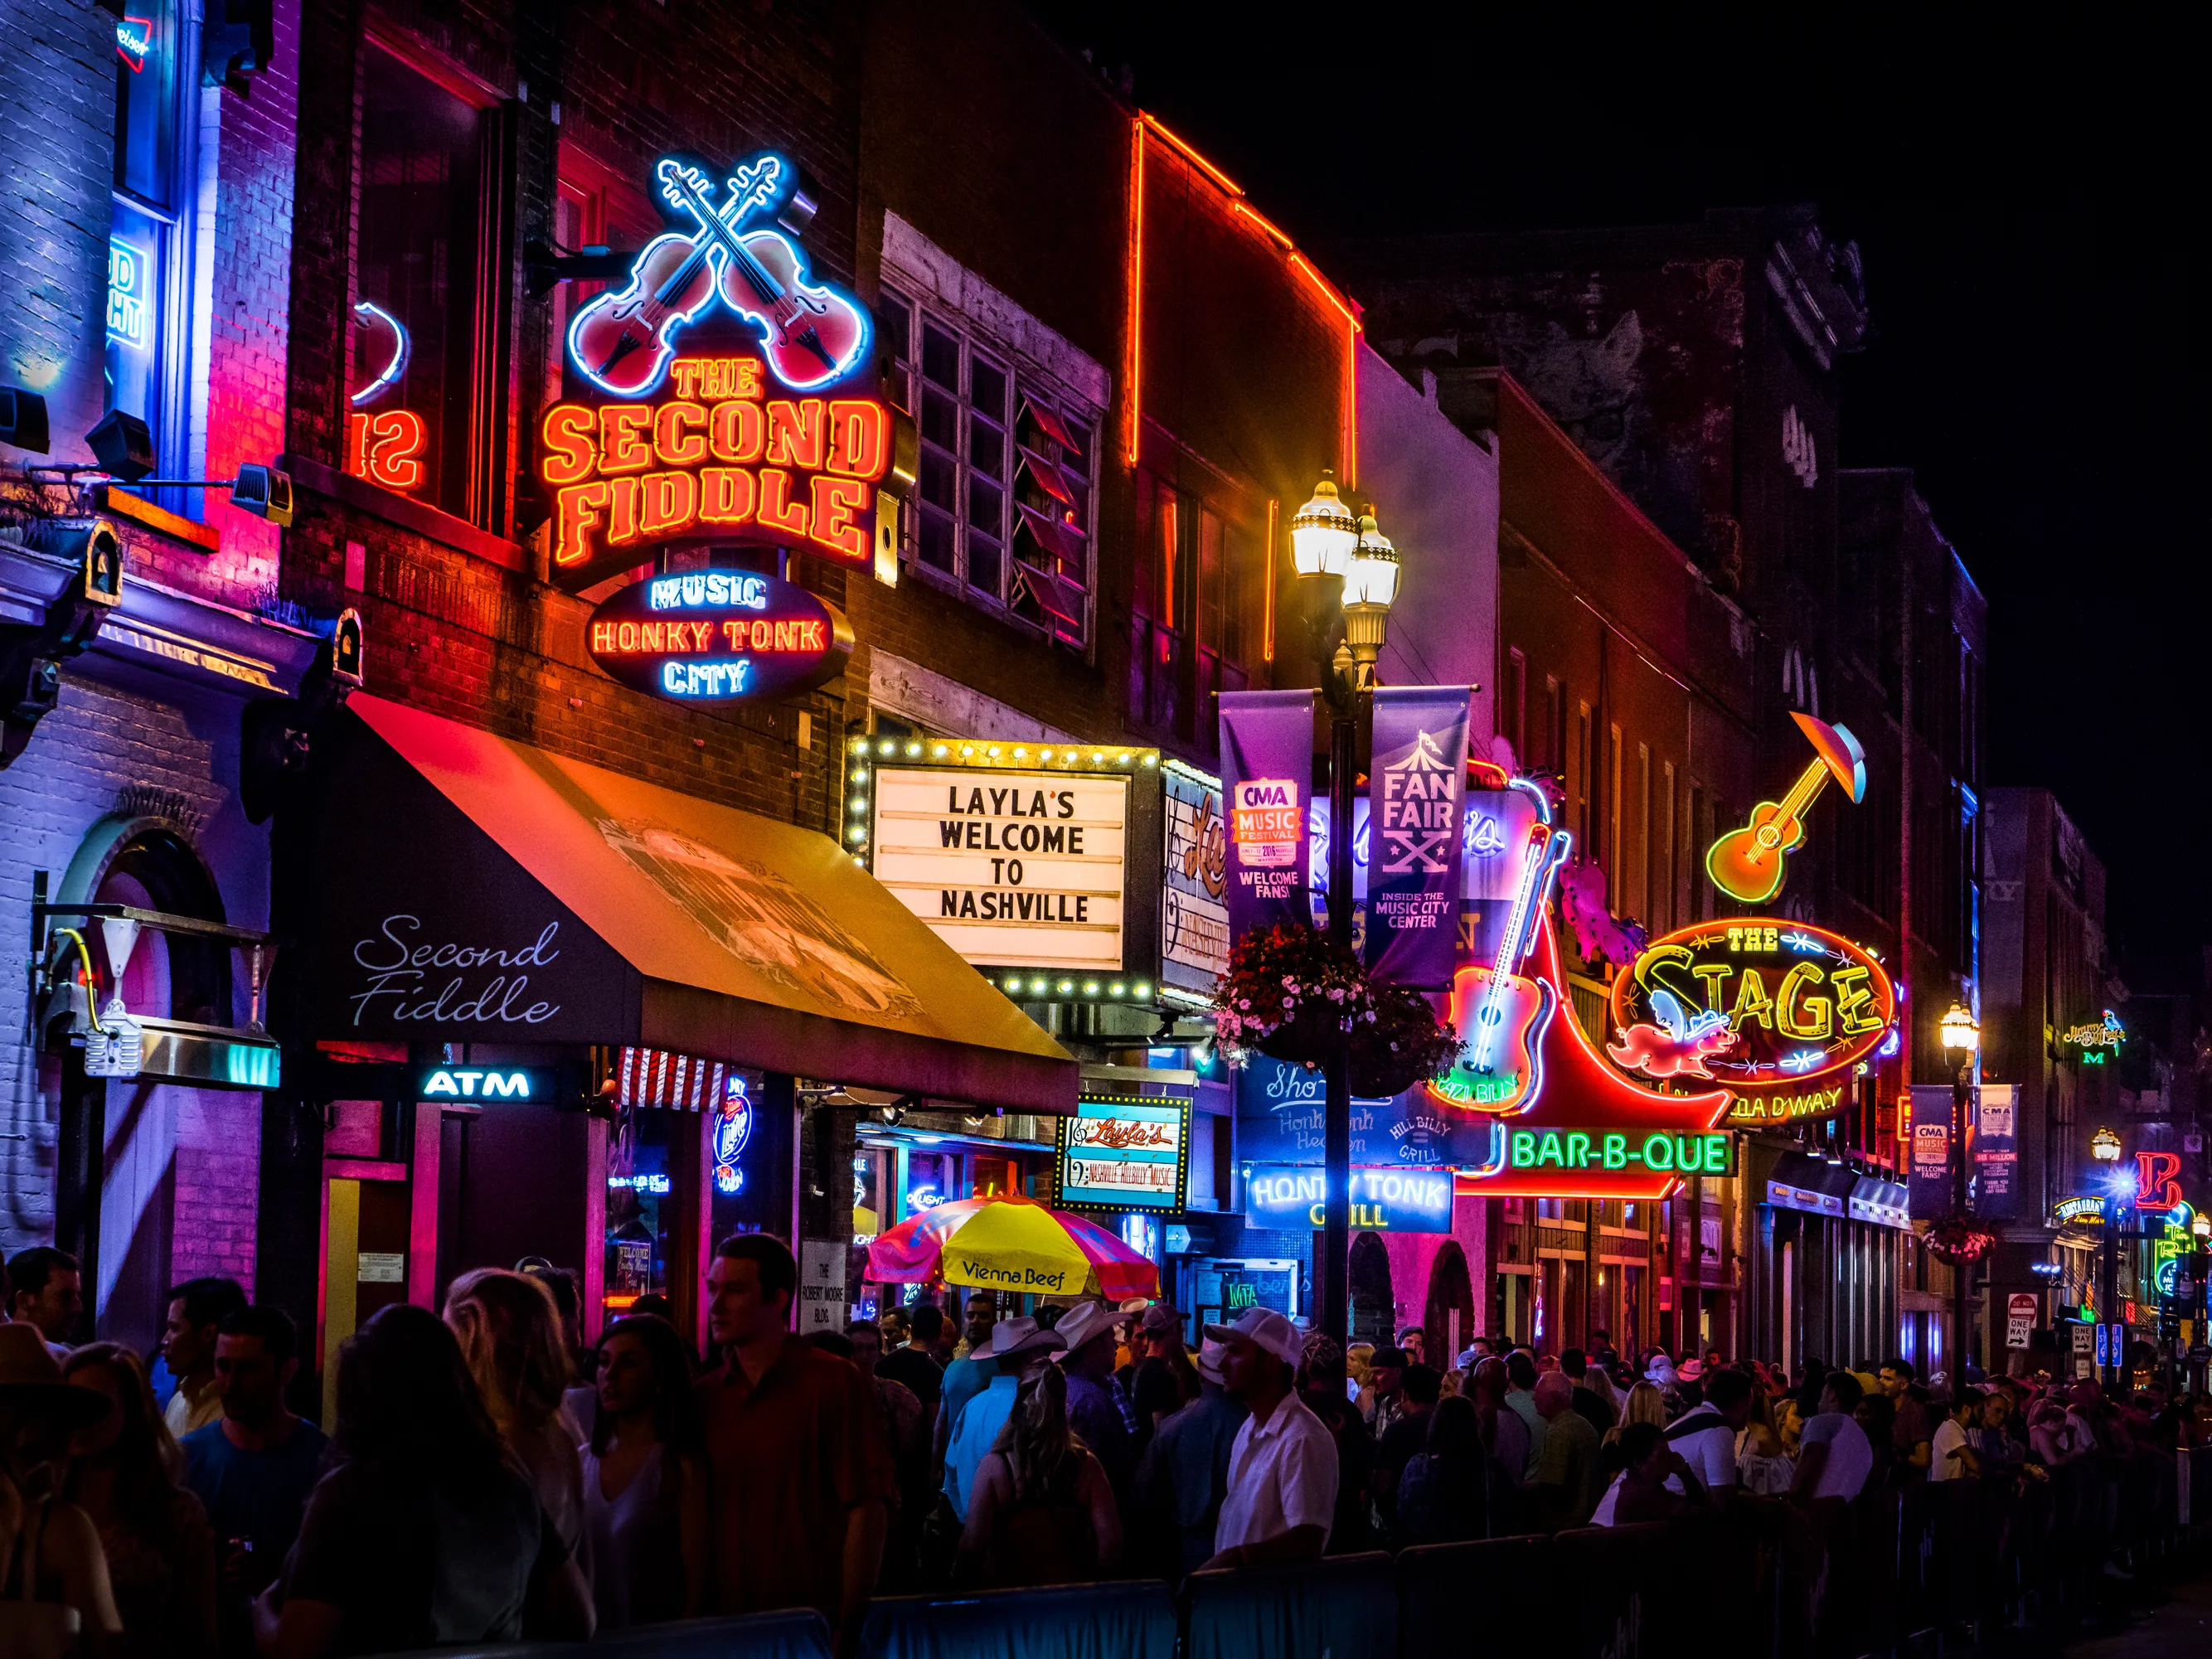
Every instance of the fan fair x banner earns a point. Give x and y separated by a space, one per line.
1416 797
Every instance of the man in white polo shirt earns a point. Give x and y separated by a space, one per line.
1282 1466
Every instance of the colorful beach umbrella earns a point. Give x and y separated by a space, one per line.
1010 1244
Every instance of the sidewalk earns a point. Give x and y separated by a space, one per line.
2181 1624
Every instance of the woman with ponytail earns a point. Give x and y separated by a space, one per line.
1043 1511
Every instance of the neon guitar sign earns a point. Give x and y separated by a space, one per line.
1746 863
810 335
1502 1012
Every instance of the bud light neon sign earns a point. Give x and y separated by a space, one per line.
732 1129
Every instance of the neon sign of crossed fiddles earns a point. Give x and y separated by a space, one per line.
623 340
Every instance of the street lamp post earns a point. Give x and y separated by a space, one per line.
1349 573
2105 1147
1962 1037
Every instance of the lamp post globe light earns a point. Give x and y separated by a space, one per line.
2105 1147
1349 573
1961 1036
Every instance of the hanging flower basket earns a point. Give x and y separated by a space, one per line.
1290 994
1957 1240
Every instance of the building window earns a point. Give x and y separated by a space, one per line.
1005 506
419 225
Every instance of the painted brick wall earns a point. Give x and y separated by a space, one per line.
218 1180
56 150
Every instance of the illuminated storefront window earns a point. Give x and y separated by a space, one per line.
151 199
641 1205
421 164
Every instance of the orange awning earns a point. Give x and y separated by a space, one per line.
476 889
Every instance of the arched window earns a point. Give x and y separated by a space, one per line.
148 864
1450 1319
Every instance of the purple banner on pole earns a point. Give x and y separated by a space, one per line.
1417 793
1933 1180
1266 773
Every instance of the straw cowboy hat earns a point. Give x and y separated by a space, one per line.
31 1381
1012 1337
1086 1321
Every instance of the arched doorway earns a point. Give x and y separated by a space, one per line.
1449 1318
1373 1305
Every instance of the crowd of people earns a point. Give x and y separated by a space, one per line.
487 1478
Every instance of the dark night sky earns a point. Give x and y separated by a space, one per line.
2023 204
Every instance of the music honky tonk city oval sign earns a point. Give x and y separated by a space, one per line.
1777 1011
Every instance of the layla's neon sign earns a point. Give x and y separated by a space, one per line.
1761 1005
809 335
718 459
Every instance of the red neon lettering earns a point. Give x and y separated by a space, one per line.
836 502
669 503
794 434
860 439
567 431
623 447
726 495
622 512
777 510
577 511
357 445
735 432
676 446
396 437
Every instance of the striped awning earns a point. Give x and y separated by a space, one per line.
660 1077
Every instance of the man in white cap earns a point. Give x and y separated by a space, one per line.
1282 1467
1019 1349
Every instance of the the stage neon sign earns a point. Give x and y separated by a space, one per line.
1777 1011
385 445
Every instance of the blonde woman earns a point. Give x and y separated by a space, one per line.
1645 1404
511 1337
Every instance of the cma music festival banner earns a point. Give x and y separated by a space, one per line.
1267 774
1417 793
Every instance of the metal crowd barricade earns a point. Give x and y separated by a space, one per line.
1344 1606
1512 1583
795 1633
1131 1618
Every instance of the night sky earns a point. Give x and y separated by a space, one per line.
2023 201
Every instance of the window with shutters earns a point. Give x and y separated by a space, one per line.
1005 505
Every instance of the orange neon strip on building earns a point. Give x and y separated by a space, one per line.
1136 286
1348 415
1204 165
1267 612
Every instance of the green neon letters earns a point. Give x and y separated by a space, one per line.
1711 1154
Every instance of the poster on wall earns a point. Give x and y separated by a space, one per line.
1417 795
1194 885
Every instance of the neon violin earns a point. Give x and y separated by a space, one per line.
1502 1013
1746 863
810 335
622 340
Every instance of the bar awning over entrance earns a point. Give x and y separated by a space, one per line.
474 889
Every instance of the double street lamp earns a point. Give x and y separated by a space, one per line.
1963 1038
1349 573
2105 1147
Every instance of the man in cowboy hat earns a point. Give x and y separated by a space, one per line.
49 1546
1019 1348
1097 1409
